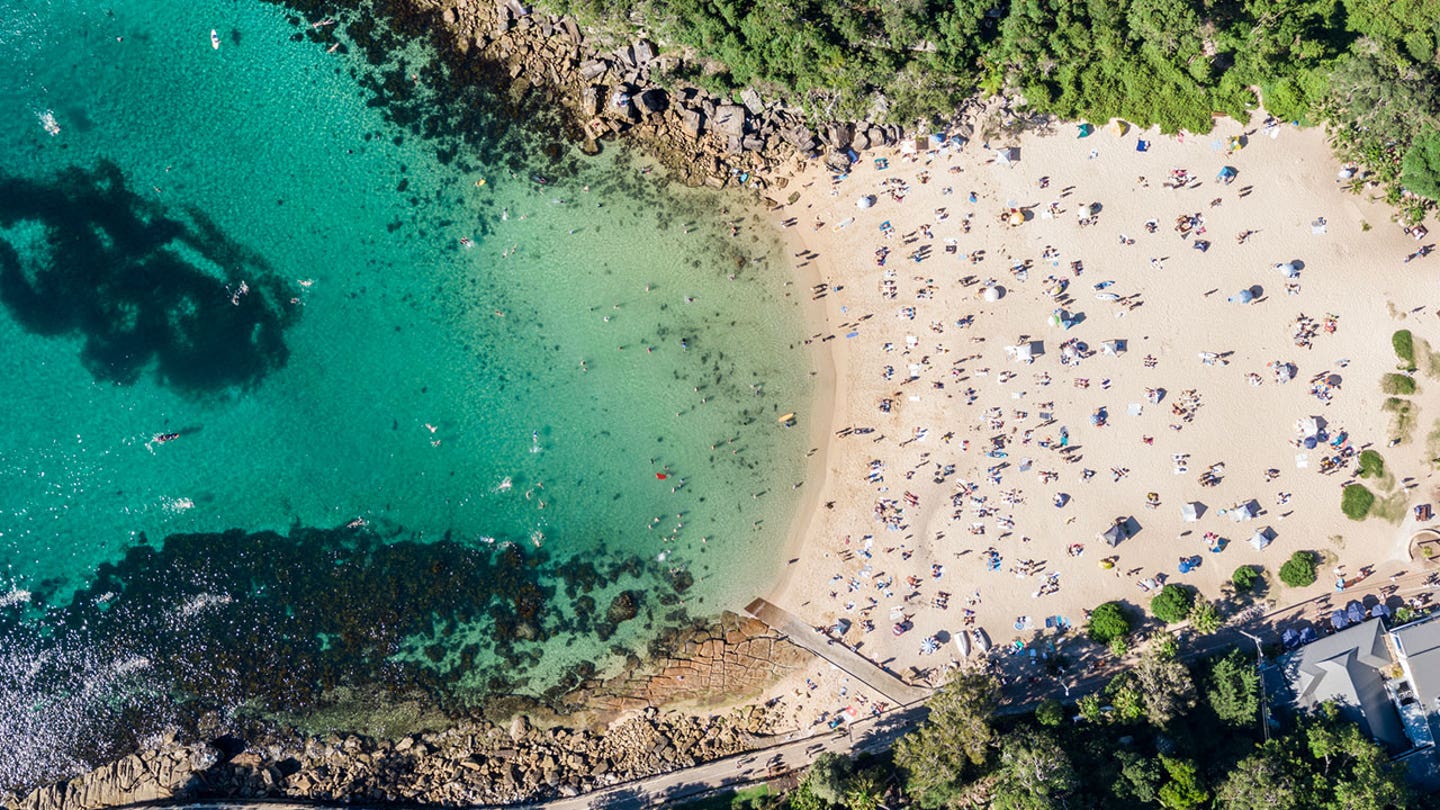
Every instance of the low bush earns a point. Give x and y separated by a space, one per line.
1299 570
1245 577
1356 500
1372 464
1397 384
1404 345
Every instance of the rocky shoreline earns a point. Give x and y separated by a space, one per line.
621 729
627 92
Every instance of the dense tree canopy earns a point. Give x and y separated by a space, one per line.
1367 68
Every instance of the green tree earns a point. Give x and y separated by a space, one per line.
1420 168
1183 790
1139 778
1166 688
864 792
1126 700
1269 779
1172 604
828 776
1204 618
936 757
803 798
1351 765
1233 689
1035 772
1107 622
1299 570
1050 712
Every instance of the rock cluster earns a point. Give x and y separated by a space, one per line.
630 91
477 761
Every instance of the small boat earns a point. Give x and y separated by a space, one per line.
787 420
962 643
214 39
540 179
982 640
161 438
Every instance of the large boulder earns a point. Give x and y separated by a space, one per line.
692 122
643 51
729 120
751 100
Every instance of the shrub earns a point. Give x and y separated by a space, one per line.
1372 464
1107 623
1404 344
1299 570
1172 604
1118 647
1355 501
1400 384
1204 618
1050 712
1245 577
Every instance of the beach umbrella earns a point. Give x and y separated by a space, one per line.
1242 297
1288 269
866 201
1338 620
1289 638
1355 612
1380 610
993 293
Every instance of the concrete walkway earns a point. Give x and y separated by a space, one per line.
848 660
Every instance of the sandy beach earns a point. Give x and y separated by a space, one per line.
978 443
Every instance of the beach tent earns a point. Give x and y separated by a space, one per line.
1262 538
1191 512
1245 511
993 292
1310 427
866 201
1242 297
1007 156
1021 353
1288 269
1112 347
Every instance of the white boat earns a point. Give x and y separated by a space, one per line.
962 643
981 640
214 39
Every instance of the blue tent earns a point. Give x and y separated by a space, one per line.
1242 297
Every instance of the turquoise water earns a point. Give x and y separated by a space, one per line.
433 382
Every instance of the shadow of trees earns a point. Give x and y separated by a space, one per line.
84 255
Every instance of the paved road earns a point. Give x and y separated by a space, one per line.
851 662
865 736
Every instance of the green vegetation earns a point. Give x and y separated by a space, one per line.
1156 740
1402 426
1204 618
1397 384
1355 502
1107 623
1050 712
1372 464
1233 689
1172 604
1365 68
1299 570
1404 344
1245 578
954 743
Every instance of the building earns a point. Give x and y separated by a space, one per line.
1347 669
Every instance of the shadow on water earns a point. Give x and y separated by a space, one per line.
83 254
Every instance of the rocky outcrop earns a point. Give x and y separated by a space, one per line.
164 772
479 761
630 91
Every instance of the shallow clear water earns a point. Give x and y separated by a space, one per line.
238 295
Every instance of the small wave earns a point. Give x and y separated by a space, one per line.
14 597
199 602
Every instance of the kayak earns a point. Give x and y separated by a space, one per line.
214 39
1107 296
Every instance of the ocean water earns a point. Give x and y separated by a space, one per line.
320 373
